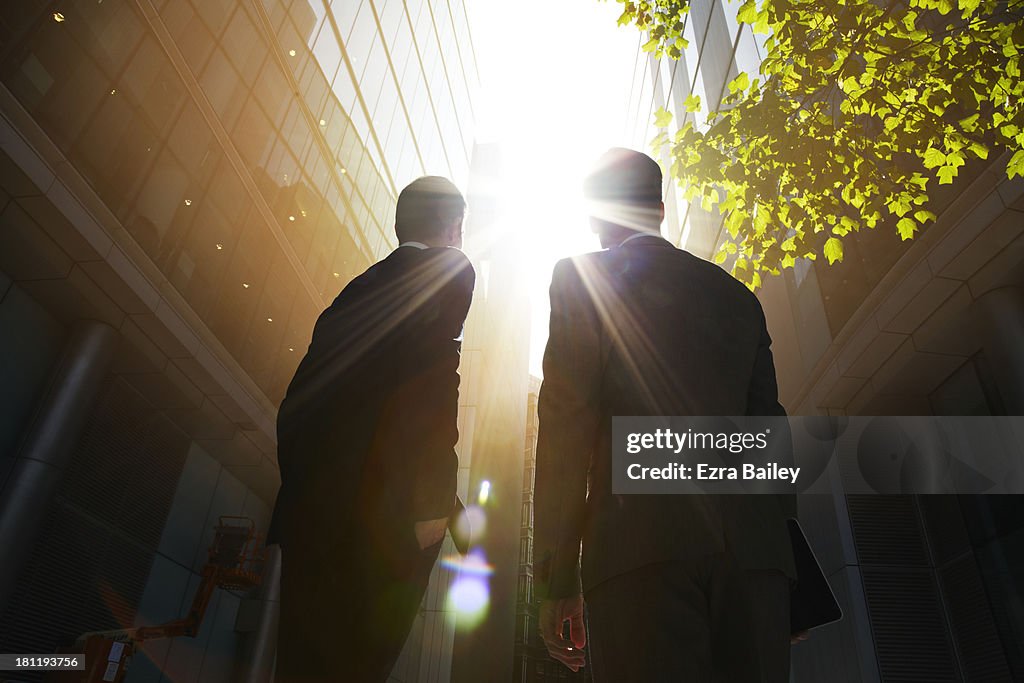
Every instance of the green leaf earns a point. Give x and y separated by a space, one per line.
969 7
747 13
854 110
970 123
740 83
760 220
709 200
906 228
933 158
761 25
833 250
1016 165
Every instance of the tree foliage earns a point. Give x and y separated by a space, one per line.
859 108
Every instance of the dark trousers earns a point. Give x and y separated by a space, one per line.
701 620
345 615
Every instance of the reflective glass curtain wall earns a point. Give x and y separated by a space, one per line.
719 49
253 150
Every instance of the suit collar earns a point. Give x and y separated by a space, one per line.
645 239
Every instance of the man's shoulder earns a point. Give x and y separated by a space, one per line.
572 266
720 275
613 260
449 255
608 262
715 280
441 259
711 279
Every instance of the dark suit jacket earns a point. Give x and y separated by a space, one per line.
367 429
646 329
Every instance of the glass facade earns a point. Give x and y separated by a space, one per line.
719 49
254 151
203 177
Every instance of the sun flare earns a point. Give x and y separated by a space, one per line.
553 115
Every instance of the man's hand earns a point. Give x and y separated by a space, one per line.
430 532
799 637
553 615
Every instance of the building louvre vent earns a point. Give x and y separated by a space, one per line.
96 547
887 531
911 637
909 628
981 652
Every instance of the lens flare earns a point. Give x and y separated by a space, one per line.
471 565
469 596
485 492
471 523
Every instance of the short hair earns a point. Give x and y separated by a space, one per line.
624 175
426 206
623 190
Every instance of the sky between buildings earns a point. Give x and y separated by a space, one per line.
556 78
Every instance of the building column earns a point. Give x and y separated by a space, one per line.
1000 317
48 443
256 663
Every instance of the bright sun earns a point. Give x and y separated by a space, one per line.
556 80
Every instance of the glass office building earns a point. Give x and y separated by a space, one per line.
930 585
184 186
719 49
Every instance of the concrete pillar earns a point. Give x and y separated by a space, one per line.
48 443
1000 317
259 649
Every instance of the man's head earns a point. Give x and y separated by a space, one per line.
430 210
624 194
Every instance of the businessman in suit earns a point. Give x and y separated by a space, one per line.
677 588
366 446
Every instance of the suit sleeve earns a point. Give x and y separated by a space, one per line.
763 400
568 425
435 410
